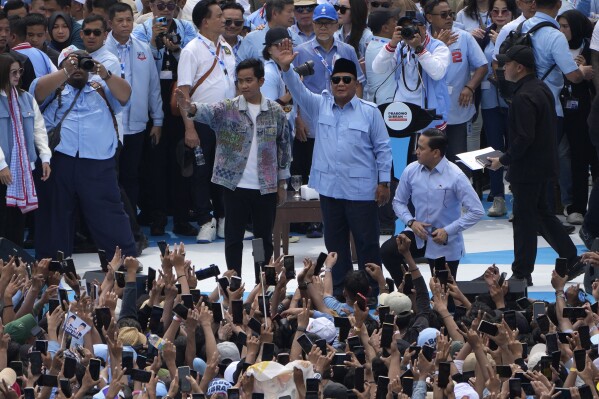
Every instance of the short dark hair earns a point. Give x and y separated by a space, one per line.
62 3
275 5
202 11
252 63
431 4
231 5
378 19
437 140
15 5
355 283
2 15
118 7
546 3
93 18
103 4
35 19
18 26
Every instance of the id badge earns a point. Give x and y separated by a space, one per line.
572 103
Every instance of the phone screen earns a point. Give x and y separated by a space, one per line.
36 362
127 362
359 379
382 387
270 277
140 375
289 265
488 328
94 368
428 352
237 310
162 247
235 283
387 335
408 284
268 351
181 311
580 359
319 263
217 312
184 384
29 393
444 370
255 325
305 343
70 364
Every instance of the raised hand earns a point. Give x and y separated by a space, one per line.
285 56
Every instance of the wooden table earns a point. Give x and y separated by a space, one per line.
298 211
293 211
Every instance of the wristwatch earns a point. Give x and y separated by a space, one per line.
411 222
108 76
283 186
384 183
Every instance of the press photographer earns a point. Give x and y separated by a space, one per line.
419 63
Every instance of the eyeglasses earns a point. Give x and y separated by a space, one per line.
497 13
305 9
346 79
377 4
325 24
96 32
341 9
445 14
163 6
236 22
17 72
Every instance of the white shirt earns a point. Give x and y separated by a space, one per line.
595 38
249 179
196 59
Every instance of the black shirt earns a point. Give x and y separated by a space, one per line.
532 129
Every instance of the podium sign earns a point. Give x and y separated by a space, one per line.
403 120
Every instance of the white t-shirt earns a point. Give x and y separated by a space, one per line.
196 59
595 38
249 179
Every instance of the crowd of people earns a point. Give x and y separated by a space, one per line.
119 114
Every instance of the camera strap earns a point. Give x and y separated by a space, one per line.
419 80
324 62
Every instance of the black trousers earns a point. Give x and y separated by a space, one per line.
207 196
240 204
129 162
12 221
392 259
341 216
302 158
532 214
582 156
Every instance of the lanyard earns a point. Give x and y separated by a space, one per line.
215 55
123 52
324 62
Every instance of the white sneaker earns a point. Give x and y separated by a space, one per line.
575 218
498 208
220 230
207 232
248 235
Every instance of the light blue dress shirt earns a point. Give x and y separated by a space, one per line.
88 128
352 151
551 48
438 196
382 85
466 56
364 40
301 36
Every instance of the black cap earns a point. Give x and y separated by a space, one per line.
276 35
417 19
378 18
521 54
345 65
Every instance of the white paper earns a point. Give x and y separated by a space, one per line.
469 158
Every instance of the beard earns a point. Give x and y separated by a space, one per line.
78 82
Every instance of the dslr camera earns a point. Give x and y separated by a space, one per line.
306 69
85 62
409 31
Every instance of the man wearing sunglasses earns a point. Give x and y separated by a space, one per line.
303 27
279 14
351 167
93 33
466 70
233 14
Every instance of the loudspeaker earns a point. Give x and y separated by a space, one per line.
471 289
9 249
99 275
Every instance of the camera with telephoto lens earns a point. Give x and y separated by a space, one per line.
409 31
306 69
85 62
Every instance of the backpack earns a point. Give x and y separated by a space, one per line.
516 37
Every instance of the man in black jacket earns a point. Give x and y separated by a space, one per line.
532 161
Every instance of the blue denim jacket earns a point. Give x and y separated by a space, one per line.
234 129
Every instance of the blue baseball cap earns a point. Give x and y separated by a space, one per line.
325 11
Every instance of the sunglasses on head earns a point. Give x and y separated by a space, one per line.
236 22
377 4
445 14
346 79
305 9
163 6
95 32
341 9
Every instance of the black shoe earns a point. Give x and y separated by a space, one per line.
576 269
586 238
314 231
569 228
185 229
528 279
157 230
144 219
141 243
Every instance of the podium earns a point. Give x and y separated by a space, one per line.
402 121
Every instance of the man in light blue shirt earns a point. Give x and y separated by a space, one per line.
303 27
279 14
83 163
380 87
351 166
445 205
